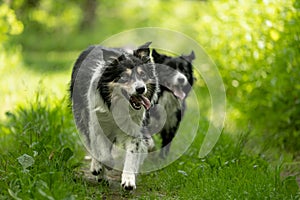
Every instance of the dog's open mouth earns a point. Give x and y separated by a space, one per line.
177 90
137 101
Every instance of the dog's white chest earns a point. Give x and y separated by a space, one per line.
121 121
171 105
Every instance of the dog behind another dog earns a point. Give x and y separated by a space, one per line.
110 90
176 78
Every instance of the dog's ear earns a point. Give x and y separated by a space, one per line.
113 57
158 58
190 57
143 51
115 60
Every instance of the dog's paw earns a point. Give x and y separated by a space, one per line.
128 181
96 167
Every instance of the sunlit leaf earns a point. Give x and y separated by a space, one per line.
182 172
13 195
274 35
44 194
26 161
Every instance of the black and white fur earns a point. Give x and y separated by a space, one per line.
176 78
110 90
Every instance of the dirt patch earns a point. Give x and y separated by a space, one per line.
112 183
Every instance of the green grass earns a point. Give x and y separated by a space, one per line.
46 132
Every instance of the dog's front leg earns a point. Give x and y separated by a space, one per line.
135 153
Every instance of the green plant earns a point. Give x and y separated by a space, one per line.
38 151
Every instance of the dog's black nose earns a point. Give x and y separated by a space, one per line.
140 90
180 80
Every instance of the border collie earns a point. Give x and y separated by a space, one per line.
176 78
111 89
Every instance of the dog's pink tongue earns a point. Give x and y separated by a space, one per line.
146 103
179 93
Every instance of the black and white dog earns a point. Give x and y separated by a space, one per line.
111 89
176 78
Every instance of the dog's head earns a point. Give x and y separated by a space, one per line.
130 76
175 73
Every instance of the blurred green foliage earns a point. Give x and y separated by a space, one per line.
255 45
9 24
48 15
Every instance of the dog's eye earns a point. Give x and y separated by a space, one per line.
124 78
143 75
180 67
